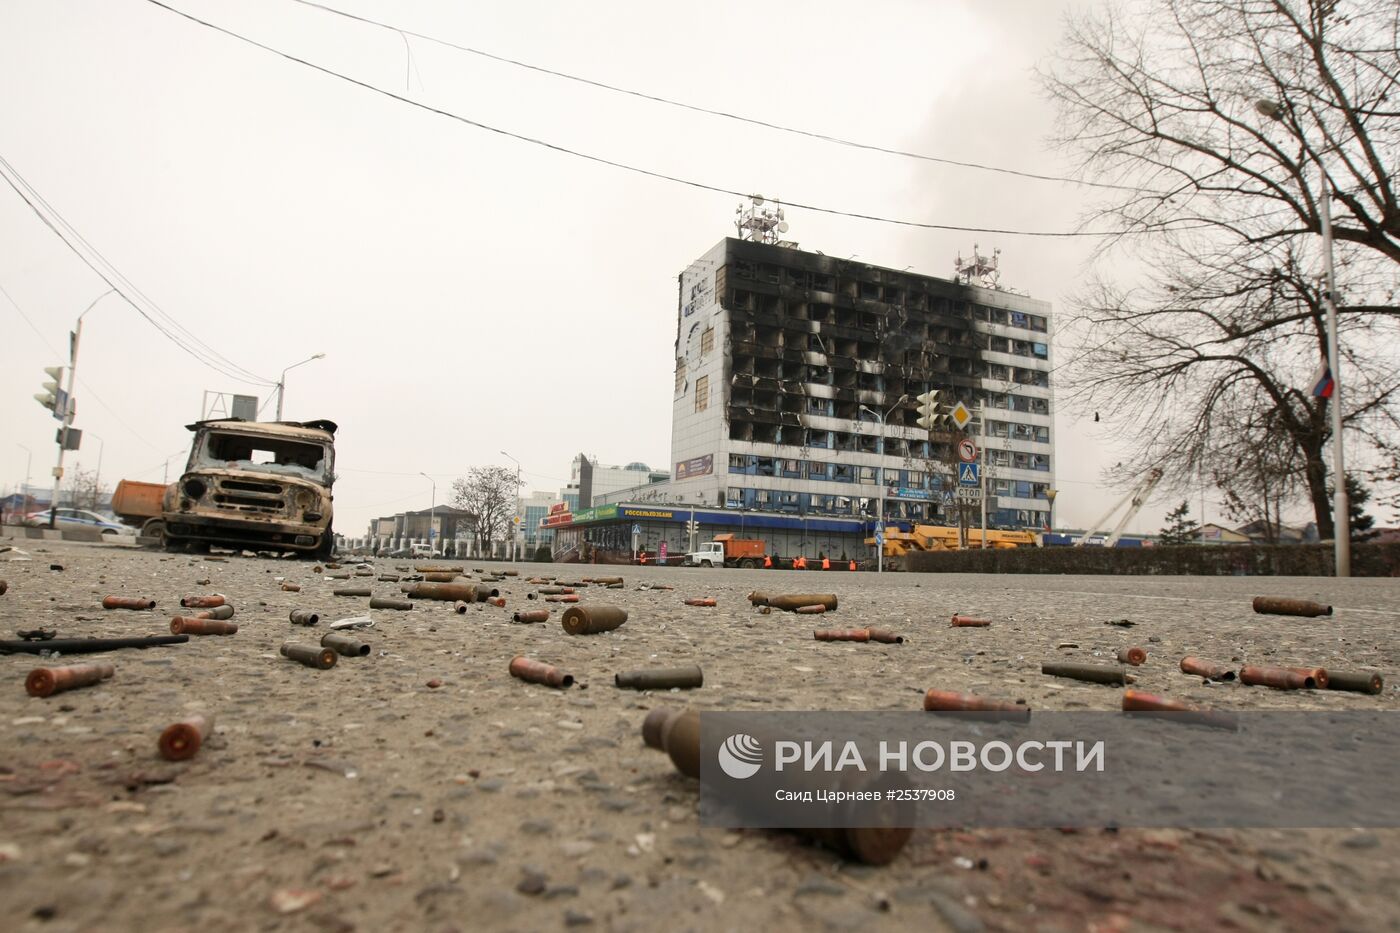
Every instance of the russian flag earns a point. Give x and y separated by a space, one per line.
1322 383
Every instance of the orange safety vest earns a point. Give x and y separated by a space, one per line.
643 557
767 561
826 563
853 564
800 563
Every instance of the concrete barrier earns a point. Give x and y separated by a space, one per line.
1296 560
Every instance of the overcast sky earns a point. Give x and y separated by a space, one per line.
474 293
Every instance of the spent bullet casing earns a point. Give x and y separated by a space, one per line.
1132 655
589 620
1092 673
447 592
461 606
182 740
1355 681
566 598
661 678
1136 702
791 602
813 610
127 602
1273 605
218 612
853 634
948 701
291 587
1211 670
960 621
439 577
348 645
322 658
537 672
46 681
1280 678
1318 675
186 626
700 601
202 602
388 602
532 615
352 591
483 593
304 617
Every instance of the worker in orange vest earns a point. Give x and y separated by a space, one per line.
767 561
799 563
643 558
826 562
853 563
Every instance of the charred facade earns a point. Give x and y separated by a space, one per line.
788 361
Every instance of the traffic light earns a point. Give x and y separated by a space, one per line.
929 417
52 397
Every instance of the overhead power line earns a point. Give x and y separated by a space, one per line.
175 332
696 108
601 160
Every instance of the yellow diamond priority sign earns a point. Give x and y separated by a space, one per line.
961 416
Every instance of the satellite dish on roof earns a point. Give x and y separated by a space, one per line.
783 227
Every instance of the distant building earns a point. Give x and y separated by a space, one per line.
589 480
441 523
1219 534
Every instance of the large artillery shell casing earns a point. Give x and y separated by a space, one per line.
537 672
304 617
127 602
447 592
814 610
1135 702
566 598
851 634
46 681
352 591
439 577
1132 655
1319 675
461 606
348 645
1355 681
1273 605
791 602
387 602
182 740
1211 670
700 601
483 593
1280 678
661 678
532 615
202 602
438 568
677 732
184 626
322 658
606 581
947 701
589 620
555 590
1093 673
969 622
218 612
885 637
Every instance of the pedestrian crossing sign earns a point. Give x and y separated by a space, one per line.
968 474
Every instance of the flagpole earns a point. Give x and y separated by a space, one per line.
1341 518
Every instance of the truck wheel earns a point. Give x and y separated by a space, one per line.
325 548
747 563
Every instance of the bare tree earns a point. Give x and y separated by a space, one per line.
1210 360
1216 115
85 492
490 494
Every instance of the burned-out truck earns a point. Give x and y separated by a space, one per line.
256 485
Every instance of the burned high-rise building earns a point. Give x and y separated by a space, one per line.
796 385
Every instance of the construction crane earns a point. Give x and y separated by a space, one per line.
1135 499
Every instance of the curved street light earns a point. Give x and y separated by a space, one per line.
282 380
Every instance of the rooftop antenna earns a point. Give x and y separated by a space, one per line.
762 222
982 269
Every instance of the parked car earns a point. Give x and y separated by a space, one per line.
76 518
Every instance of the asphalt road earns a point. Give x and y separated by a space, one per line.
423 787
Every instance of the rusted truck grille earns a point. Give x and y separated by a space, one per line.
250 496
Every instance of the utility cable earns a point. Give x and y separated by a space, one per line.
125 289
601 160
753 121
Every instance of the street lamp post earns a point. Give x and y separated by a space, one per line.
1341 519
515 533
74 339
282 380
880 533
432 512
1050 495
